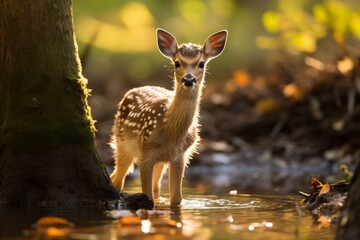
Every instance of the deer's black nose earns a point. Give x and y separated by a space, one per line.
189 80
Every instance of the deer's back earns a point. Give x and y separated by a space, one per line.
140 112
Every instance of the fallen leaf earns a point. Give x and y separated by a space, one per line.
325 189
315 182
50 221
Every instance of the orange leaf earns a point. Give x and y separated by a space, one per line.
315 182
325 189
53 221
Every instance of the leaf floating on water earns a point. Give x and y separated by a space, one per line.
50 221
325 189
315 182
130 221
50 227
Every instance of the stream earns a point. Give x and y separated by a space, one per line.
207 212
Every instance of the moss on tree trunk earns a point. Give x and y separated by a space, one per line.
47 152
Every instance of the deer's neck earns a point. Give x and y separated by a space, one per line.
183 112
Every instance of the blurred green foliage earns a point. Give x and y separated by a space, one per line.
125 42
297 26
125 49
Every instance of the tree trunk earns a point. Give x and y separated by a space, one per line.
348 227
47 152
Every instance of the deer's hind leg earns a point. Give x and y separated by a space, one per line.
124 164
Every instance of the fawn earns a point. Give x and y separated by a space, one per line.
155 127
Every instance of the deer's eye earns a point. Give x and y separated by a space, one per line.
201 65
177 64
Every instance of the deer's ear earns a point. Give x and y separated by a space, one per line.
166 43
215 44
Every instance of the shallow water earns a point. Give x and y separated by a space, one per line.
203 215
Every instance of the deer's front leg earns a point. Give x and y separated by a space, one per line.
176 174
158 173
146 167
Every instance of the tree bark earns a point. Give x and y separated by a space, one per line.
349 223
47 152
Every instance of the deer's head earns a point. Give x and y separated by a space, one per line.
190 59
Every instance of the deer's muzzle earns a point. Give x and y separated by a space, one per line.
189 80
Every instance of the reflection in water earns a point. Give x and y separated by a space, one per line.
145 226
217 216
207 203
